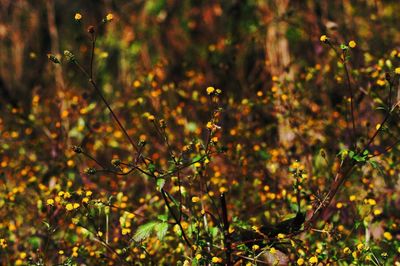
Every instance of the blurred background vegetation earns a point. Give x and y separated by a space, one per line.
282 96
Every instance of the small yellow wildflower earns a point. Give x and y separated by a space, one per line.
151 118
109 17
388 236
352 198
3 243
397 70
61 252
223 189
210 90
272 251
76 205
125 231
352 44
69 207
195 199
380 82
67 195
323 38
346 250
78 16
50 201
360 246
339 205
216 260
300 261
198 256
377 212
313 260
281 236
255 247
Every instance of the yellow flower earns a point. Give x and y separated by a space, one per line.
360 246
210 90
339 205
346 250
109 17
371 202
69 207
50 202
198 256
76 205
216 260
388 236
151 118
281 236
125 231
272 250
195 199
353 198
3 243
377 212
352 44
78 16
85 200
300 261
323 38
255 247
397 70
313 260
380 82
136 84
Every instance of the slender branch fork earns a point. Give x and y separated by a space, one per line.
178 167
348 165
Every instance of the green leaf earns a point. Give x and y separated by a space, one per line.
163 217
344 46
35 242
160 183
264 155
144 231
359 158
152 168
196 158
161 229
